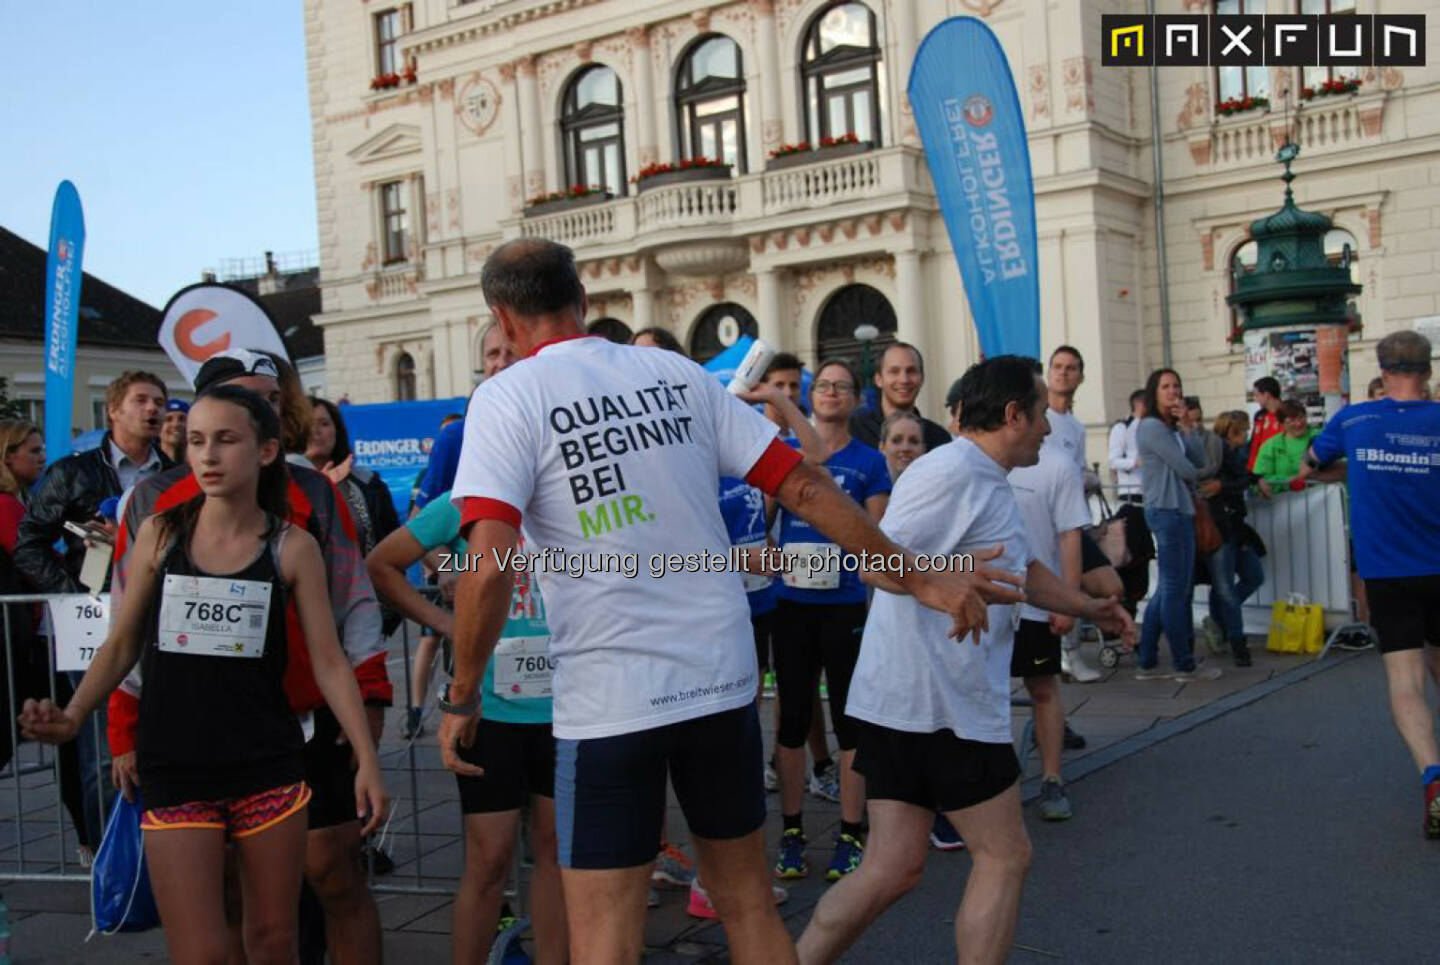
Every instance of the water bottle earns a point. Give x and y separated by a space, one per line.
4 932
752 368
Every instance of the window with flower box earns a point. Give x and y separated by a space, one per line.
840 67
1327 80
592 122
1241 88
387 51
710 101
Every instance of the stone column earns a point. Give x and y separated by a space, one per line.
531 124
639 40
642 309
772 127
773 325
910 301
514 153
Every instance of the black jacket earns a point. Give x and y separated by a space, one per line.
865 425
73 490
1228 507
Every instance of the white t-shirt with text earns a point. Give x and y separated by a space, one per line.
611 450
911 676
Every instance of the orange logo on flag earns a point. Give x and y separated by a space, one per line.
184 336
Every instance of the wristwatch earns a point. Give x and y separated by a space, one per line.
462 710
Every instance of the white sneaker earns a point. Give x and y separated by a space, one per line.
826 784
86 857
1072 664
772 780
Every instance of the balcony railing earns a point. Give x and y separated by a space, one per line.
1322 124
857 184
687 205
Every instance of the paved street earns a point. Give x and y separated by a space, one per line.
1270 816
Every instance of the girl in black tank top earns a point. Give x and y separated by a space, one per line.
219 749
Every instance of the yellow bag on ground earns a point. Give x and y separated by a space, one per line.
1296 626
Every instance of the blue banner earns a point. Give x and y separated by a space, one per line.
393 440
968 113
62 315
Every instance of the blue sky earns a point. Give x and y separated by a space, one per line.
184 125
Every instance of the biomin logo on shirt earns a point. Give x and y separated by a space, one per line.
648 417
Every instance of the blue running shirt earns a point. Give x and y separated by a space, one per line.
1393 454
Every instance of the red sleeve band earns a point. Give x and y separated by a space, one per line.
475 508
775 463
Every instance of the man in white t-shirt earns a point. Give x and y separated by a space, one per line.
1067 435
934 717
1051 498
612 456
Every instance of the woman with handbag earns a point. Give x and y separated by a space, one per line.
1235 569
1169 464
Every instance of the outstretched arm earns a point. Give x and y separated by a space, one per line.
42 720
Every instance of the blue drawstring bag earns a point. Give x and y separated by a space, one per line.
120 897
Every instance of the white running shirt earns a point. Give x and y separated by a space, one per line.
1052 501
618 450
1067 434
911 676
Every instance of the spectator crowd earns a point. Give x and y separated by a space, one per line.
570 703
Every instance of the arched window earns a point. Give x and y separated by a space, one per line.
611 328
592 122
405 378
710 102
1242 262
840 66
720 327
846 310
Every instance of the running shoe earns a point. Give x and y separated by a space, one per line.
772 780
826 784
1073 665
413 727
672 868
1152 673
943 836
767 684
1361 637
790 863
848 852
1432 809
1199 673
700 906
1073 741
376 860
1053 804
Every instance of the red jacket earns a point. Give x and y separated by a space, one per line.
316 505
1267 425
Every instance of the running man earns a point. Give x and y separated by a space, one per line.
934 718
605 449
1391 447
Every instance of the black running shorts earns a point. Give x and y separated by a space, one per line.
1405 611
935 771
518 760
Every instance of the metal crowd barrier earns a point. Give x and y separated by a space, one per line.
1306 536
38 843
24 850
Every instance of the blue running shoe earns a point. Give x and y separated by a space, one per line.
791 861
848 852
943 836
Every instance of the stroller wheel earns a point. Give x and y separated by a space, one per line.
1109 657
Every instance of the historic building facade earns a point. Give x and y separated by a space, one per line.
442 128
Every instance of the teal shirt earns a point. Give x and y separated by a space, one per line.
438 524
